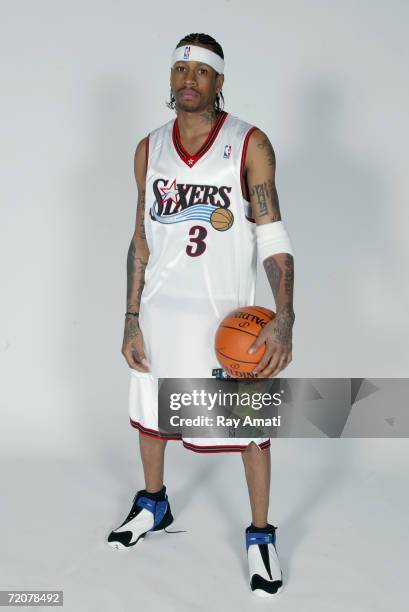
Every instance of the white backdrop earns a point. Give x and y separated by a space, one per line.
83 82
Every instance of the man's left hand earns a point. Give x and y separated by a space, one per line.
277 336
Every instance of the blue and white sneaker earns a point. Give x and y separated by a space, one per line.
266 578
149 513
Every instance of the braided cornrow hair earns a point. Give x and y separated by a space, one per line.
203 39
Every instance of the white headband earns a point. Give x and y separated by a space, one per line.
198 54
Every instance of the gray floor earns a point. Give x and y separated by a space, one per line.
341 508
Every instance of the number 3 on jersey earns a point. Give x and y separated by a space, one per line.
196 245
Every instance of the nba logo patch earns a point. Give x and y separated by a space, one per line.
186 53
227 151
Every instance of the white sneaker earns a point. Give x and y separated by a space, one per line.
266 578
149 513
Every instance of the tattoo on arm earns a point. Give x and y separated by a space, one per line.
140 277
141 213
135 284
276 273
281 279
265 194
130 268
136 263
135 277
289 274
273 275
284 324
131 328
137 260
268 150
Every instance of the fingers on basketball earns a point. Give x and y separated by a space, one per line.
234 336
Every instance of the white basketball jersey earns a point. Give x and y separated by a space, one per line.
202 244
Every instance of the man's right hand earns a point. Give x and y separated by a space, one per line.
132 346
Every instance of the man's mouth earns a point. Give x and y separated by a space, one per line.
188 94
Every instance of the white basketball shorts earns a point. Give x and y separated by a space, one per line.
143 413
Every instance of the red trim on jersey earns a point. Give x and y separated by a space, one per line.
242 164
193 447
190 160
153 432
222 449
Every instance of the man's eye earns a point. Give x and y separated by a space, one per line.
203 70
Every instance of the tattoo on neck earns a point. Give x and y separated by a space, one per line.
208 116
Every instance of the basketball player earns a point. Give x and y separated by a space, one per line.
186 271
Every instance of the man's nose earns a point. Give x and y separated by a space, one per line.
190 76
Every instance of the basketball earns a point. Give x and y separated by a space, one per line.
221 219
234 336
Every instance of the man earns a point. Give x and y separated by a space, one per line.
185 274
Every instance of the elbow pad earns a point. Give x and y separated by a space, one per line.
272 238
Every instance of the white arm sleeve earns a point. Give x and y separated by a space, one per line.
272 238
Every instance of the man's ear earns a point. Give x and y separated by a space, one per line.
219 81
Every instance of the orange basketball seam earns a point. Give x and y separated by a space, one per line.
239 329
257 318
233 359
